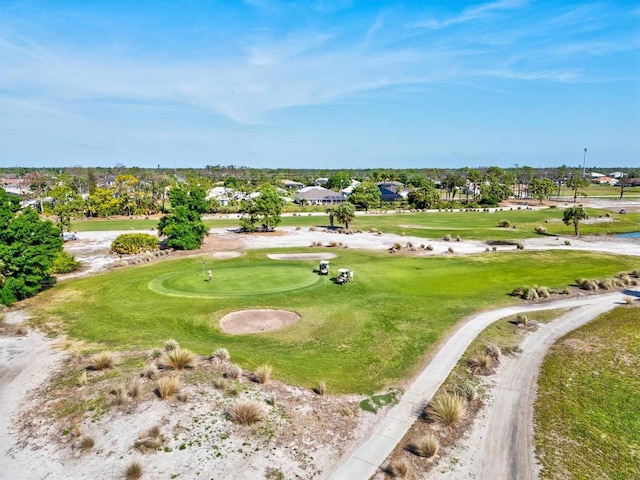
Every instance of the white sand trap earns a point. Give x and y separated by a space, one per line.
301 256
256 321
223 255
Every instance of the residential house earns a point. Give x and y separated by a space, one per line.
318 196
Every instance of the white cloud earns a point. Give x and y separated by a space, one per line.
471 14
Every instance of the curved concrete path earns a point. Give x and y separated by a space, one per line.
364 459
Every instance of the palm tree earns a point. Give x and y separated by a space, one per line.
575 215
332 214
345 213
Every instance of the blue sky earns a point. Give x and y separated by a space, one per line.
319 84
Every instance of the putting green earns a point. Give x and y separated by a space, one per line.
238 280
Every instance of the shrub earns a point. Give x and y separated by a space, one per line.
466 390
101 361
132 243
171 344
167 387
397 246
480 364
247 412
541 230
567 243
450 250
425 445
543 292
321 388
133 471
64 262
458 238
504 224
178 359
221 355
263 373
447 237
156 353
628 300
233 371
586 284
519 246
399 468
430 247
522 319
447 409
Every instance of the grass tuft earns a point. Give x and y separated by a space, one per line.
399 468
133 471
178 359
247 412
167 387
170 345
447 409
83 379
102 361
321 388
426 445
119 394
480 364
233 372
221 355
86 443
263 373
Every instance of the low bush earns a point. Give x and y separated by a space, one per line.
135 390
132 243
466 390
171 344
447 237
504 224
150 372
494 352
119 394
430 247
246 412
426 445
152 438
64 262
541 230
83 379
447 409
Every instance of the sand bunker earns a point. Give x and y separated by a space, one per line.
256 321
223 255
301 256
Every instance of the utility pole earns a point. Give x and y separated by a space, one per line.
584 163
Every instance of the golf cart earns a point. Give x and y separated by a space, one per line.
344 275
324 267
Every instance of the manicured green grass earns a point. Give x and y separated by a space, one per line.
477 225
358 338
588 408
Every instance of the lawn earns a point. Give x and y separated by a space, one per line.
358 338
476 225
588 409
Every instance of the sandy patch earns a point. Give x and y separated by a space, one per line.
224 255
301 256
256 321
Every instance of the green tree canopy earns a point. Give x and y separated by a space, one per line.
28 247
264 210
338 180
424 198
541 188
577 184
365 196
183 227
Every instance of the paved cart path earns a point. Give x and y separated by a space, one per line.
513 408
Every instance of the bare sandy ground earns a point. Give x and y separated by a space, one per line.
257 321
